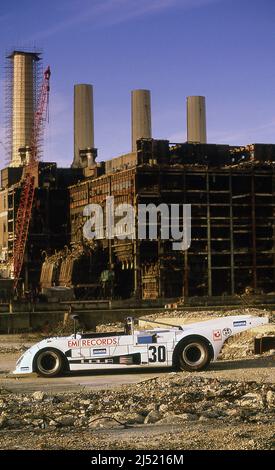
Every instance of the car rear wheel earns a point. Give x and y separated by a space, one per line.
193 355
49 363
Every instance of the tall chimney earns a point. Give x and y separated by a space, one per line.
23 102
196 119
83 124
141 116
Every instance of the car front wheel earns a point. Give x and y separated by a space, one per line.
49 363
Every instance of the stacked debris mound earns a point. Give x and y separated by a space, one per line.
13 349
207 314
104 328
11 344
172 399
242 345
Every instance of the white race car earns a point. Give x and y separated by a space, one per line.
188 347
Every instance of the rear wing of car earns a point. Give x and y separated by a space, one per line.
234 323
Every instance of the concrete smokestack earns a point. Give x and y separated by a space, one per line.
83 123
141 116
196 119
23 102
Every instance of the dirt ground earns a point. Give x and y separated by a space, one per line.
191 436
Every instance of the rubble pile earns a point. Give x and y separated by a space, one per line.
208 313
241 346
168 400
13 349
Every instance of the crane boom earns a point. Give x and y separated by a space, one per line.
24 211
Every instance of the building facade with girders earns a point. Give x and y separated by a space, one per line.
49 225
232 195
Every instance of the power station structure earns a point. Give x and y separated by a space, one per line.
22 84
196 120
33 193
231 190
141 116
84 151
30 180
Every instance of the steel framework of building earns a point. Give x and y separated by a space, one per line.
232 194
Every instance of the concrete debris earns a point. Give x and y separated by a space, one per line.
3 420
66 420
129 418
38 395
192 398
188 417
104 422
251 400
153 417
14 349
270 399
172 419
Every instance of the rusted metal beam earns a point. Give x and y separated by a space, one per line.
264 344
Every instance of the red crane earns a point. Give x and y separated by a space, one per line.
24 211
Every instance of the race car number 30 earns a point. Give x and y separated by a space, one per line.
157 354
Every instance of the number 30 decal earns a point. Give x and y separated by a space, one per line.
157 354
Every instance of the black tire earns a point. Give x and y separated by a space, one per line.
192 354
49 363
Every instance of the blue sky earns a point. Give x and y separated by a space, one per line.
223 49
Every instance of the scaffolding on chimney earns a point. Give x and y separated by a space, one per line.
14 121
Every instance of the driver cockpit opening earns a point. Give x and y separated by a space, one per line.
129 326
